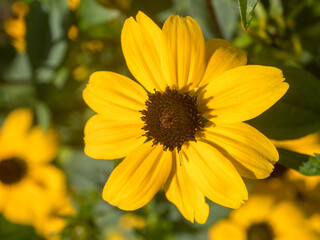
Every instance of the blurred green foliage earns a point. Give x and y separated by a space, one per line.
50 76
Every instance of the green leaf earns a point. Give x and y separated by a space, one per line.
297 113
304 164
16 95
12 231
43 114
246 8
19 69
312 167
292 159
91 13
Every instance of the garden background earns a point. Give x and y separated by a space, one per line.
49 48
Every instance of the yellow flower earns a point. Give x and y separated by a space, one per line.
95 45
54 220
26 178
263 218
73 32
309 144
20 9
129 221
16 27
116 236
73 4
198 94
81 73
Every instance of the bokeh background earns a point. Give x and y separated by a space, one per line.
48 49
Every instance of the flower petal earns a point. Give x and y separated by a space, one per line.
183 49
226 229
213 44
214 174
223 56
309 144
140 42
110 139
242 93
115 96
13 132
41 146
179 187
252 154
135 181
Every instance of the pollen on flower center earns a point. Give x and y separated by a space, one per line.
12 170
260 231
171 118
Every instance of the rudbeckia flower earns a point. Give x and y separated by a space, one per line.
309 144
263 218
26 178
182 126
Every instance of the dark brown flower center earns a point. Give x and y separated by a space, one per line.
12 170
260 231
171 118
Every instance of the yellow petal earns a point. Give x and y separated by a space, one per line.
179 187
213 44
226 229
309 144
250 151
223 56
110 139
243 93
140 42
214 174
14 131
41 146
115 96
135 181
183 49
256 209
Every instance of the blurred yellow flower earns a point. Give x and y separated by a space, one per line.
54 220
95 45
199 94
73 4
15 28
20 9
81 73
314 223
308 145
131 221
116 236
73 33
26 178
261 218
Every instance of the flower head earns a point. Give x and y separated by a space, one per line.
26 180
263 218
191 104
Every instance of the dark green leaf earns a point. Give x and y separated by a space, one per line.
292 159
312 167
16 95
11 231
246 8
38 35
297 113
